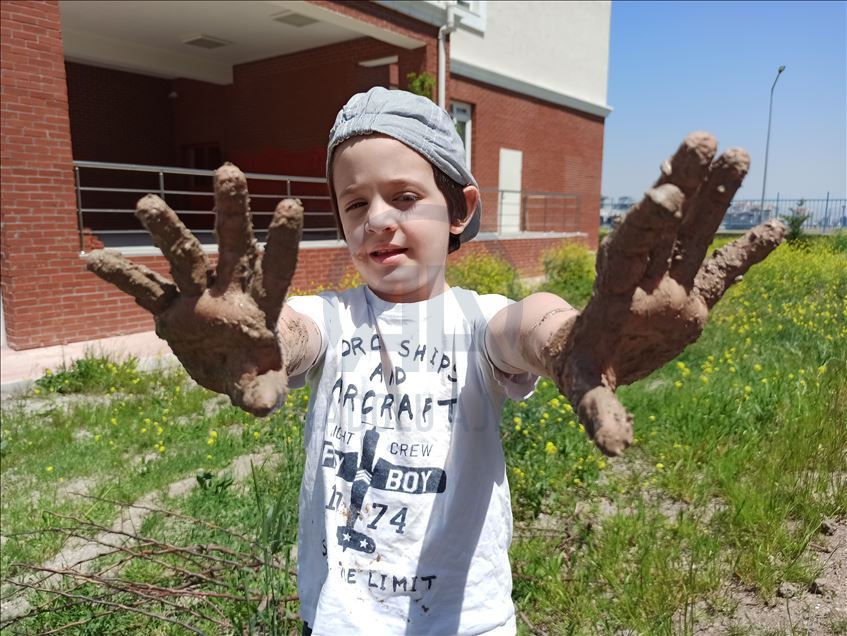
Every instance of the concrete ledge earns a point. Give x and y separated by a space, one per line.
20 369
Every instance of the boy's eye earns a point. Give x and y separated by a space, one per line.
407 196
354 205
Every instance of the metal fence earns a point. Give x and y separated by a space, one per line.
823 215
106 194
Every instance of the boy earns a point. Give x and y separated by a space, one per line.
405 520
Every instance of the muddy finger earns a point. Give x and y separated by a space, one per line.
265 393
606 421
689 165
687 169
280 258
732 261
625 255
189 266
237 249
706 210
150 290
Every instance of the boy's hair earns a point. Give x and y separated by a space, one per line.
454 194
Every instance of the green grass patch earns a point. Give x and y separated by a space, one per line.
740 454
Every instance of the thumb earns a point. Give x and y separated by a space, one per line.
606 421
265 393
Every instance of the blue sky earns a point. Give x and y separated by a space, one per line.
681 66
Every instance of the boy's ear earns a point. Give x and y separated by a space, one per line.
471 201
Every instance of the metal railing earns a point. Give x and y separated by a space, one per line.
106 194
823 214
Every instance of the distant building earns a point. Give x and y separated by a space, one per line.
179 86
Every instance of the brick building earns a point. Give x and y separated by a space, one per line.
104 101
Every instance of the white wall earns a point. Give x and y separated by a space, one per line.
559 46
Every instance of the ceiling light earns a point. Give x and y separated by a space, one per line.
293 19
206 41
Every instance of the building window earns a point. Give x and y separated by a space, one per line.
462 118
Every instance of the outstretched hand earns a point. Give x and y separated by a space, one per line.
653 290
221 323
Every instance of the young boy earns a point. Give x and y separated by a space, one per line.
405 518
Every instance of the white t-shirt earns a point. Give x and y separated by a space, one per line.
405 516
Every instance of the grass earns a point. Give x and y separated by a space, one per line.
740 454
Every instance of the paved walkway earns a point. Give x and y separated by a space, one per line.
18 369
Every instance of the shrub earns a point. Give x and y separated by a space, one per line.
569 271
795 221
485 274
838 242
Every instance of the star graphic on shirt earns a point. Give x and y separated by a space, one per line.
346 536
363 543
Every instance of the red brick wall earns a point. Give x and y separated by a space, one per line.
119 117
562 148
39 238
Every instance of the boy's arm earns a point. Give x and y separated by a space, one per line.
516 335
227 325
652 294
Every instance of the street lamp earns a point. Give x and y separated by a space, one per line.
768 141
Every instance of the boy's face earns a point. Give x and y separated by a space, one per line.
395 218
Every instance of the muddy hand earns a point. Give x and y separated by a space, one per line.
221 323
653 290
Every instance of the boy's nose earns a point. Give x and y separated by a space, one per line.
381 217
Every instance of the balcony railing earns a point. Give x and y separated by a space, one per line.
106 194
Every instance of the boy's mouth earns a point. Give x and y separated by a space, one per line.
387 254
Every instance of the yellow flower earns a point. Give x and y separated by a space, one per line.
213 434
821 369
208 457
601 464
757 367
748 389
568 408
660 466
210 441
550 448
516 420
581 428
49 469
256 434
143 430
652 418
678 384
114 421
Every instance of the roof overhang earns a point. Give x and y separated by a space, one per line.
149 36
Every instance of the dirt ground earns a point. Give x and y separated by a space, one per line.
818 610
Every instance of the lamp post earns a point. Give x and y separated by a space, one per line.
768 142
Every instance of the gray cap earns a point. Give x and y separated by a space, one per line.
417 122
